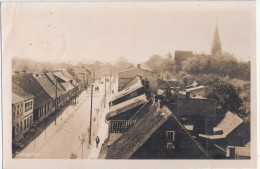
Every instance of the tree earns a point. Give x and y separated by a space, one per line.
122 64
225 94
191 65
155 63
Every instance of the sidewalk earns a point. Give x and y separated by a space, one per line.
38 128
38 143
102 130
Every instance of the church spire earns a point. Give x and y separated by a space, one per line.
216 44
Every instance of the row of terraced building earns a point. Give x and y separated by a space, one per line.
37 95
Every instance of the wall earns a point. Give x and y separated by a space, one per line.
198 92
155 146
196 107
28 111
16 120
113 137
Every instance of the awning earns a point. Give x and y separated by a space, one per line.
127 105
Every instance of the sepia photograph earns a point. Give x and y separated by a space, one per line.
129 80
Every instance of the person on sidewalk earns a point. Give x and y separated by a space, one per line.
97 141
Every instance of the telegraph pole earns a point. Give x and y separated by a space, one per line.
90 114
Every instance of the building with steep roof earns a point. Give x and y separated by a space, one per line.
86 74
124 77
68 82
29 83
216 44
230 132
132 89
154 135
22 112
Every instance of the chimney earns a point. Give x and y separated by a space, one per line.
139 66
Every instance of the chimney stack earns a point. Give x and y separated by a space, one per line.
139 66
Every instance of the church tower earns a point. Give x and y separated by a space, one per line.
216 44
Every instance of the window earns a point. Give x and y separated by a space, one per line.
24 124
28 122
21 126
49 106
31 104
170 135
22 108
26 106
13 112
18 109
17 128
39 112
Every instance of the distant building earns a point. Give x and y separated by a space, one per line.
86 74
199 112
182 55
67 82
197 91
22 112
126 76
239 152
216 44
230 132
162 84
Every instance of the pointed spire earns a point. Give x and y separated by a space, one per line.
216 44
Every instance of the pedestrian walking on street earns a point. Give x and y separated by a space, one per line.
97 141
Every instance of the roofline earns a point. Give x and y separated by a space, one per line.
150 134
130 82
190 136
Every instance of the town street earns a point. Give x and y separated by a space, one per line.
64 139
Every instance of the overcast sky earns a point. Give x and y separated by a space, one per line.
80 32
